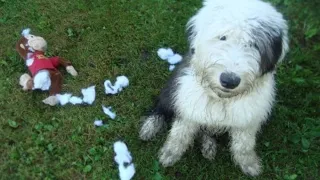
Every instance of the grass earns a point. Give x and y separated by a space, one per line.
106 38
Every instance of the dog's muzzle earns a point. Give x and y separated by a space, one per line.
229 80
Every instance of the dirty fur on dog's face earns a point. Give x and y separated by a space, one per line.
225 83
234 44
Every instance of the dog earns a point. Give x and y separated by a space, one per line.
224 84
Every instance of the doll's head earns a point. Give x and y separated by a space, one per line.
29 43
32 42
36 43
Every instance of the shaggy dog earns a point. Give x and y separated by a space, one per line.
226 83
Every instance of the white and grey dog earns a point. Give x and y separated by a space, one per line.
226 83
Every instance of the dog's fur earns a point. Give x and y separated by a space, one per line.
245 37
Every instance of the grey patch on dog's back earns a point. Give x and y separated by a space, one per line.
164 105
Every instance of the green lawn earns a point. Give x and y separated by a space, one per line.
106 38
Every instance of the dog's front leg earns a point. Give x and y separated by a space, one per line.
180 138
242 148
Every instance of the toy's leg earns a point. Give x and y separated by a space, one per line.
26 82
55 88
70 69
56 82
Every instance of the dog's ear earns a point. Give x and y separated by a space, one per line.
191 33
270 53
271 42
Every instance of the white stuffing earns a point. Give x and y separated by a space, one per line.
29 55
63 98
89 94
122 153
107 111
98 123
168 55
42 80
109 87
175 59
121 82
31 49
29 61
126 173
123 158
26 32
165 53
171 67
75 100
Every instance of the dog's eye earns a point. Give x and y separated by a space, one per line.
249 45
223 38
192 50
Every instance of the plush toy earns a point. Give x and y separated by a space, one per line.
43 70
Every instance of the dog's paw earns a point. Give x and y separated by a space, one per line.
253 169
151 126
209 149
147 131
167 157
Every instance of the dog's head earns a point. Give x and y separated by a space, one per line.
235 43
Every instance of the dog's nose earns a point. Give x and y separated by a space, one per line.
229 80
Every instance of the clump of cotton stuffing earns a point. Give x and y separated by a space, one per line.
63 98
165 53
98 122
121 83
168 55
42 80
89 94
107 111
75 100
124 160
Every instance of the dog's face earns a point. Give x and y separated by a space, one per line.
233 49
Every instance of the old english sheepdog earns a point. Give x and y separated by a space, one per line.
225 83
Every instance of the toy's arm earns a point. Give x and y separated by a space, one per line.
71 70
67 64
56 61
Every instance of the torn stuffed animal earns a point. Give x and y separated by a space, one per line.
43 70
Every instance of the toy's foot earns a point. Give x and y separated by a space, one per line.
25 81
51 100
71 70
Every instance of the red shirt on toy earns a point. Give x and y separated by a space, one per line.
41 62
